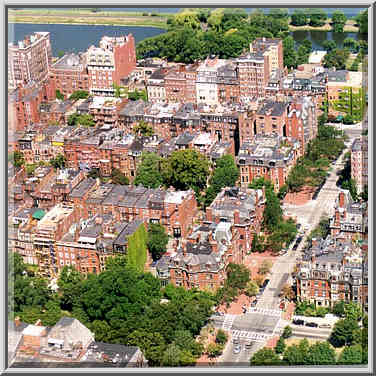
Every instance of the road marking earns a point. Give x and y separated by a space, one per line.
266 311
228 321
252 336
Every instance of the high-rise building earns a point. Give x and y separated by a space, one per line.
29 60
113 60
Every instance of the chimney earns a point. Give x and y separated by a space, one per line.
341 199
236 216
209 214
17 321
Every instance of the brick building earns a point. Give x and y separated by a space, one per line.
350 218
253 72
29 60
175 210
69 74
359 163
273 48
202 260
67 344
108 64
270 157
333 269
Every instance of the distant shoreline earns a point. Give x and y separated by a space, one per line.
84 24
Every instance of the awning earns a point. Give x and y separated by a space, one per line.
39 214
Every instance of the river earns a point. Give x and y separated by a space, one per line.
75 38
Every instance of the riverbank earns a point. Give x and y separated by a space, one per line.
87 18
348 28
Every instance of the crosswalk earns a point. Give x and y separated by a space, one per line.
252 336
228 321
266 311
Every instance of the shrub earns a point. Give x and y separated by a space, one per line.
221 337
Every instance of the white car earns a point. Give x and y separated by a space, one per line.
237 349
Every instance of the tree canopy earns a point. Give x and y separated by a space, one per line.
148 172
186 169
157 240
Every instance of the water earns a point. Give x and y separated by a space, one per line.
76 38
318 37
64 37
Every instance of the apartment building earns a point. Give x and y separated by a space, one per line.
267 156
333 269
108 64
70 73
273 48
359 163
29 60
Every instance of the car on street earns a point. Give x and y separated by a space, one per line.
298 226
237 349
235 341
254 303
298 322
265 283
325 326
312 324
248 346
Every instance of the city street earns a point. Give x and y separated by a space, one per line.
309 216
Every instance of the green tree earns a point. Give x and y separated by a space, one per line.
321 353
138 94
187 18
72 119
351 44
69 284
351 355
17 159
214 349
258 244
342 333
251 289
237 276
282 13
353 311
289 53
221 337
287 332
79 94
59 95
185 169
338 21
299 17
280 346
362 21
336 58
142 129
225 174
317 17
118 177
339 308
86 120
157 240
59 161
60 54
265 357
297 354
148 172
329 45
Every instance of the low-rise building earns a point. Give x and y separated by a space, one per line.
68 343
268 156
350 217
331 270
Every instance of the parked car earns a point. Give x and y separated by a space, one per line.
248 346
298 322
298 226
254 303
237 349
235 341
328 326
312 324
265 283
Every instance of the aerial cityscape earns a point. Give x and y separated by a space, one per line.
187 187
